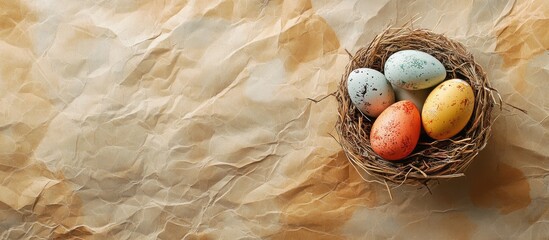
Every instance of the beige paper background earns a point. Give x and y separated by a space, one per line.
190 120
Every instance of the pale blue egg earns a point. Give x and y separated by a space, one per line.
369 91
414 70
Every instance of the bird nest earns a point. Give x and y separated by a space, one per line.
431 159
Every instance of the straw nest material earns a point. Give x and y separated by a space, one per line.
431 159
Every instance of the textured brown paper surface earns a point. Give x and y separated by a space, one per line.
190 119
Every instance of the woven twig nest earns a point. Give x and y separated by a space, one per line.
431 159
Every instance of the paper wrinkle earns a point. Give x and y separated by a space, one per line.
190 120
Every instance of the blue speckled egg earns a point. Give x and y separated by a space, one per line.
369 91
413 70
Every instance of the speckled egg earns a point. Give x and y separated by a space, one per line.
447 109
369 91
418 97
413 70
395 132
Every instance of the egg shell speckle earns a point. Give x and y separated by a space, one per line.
396 131
447 109
370 91
413 70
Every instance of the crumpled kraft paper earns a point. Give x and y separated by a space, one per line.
191 120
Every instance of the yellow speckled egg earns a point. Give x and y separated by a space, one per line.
448 109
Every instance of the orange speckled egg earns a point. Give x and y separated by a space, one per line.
396 131
447 109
